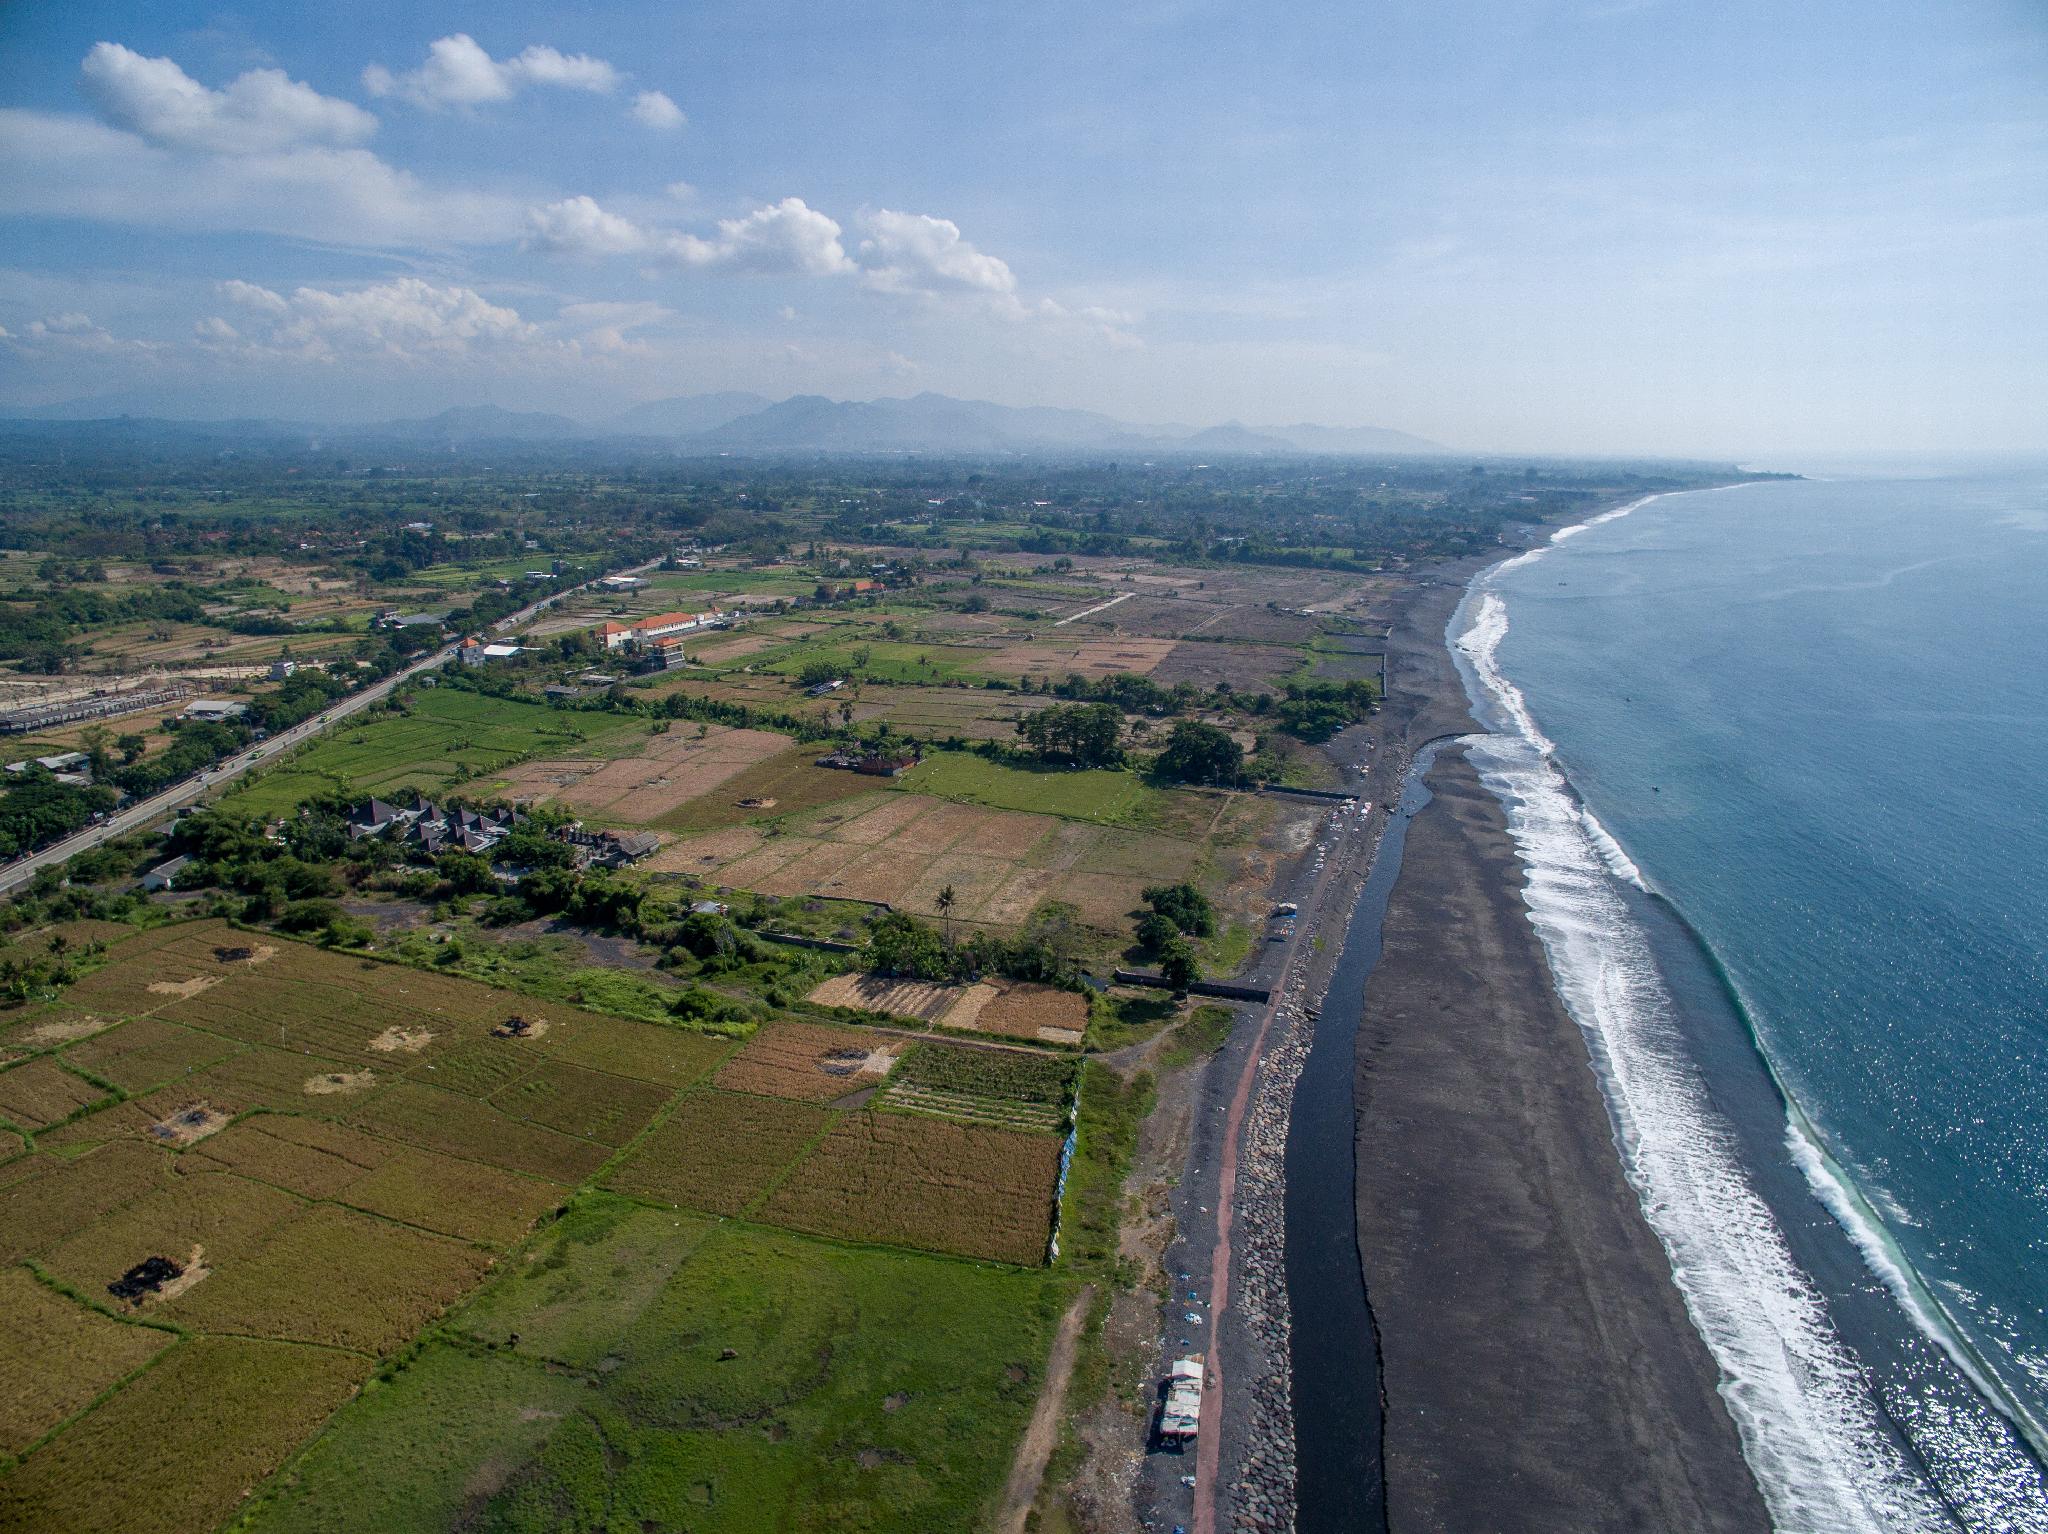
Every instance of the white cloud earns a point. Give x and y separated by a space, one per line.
459 73
69 166
786 236
75 335
653 109
577 226
260 112
916 253
404 320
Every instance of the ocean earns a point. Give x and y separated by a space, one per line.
1772 758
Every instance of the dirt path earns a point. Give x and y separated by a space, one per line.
1043 1435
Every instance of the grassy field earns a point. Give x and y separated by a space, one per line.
673 1375
1106 797
446 736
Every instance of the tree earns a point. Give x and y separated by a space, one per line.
1155 932
1200 753
902 945
1179 965
945 904
1086 734
1183 905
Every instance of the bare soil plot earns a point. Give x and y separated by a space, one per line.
181 1446
808 1062
925 1182
664 774
1087 657
793 780
1246 667
718 1151
1029 1011
700 854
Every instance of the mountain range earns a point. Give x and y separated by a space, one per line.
749 424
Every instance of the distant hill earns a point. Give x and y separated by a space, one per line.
937 423
743 423
686 415
486 422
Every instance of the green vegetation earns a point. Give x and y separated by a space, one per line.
1200 753
670 1375
1105 796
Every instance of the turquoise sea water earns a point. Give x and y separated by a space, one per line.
1809 721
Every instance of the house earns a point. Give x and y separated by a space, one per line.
392 618
557 692
874 764
63 761
162 876
281 668
708 908
622 583
432 829
213 710
826 687
476 653
644 633
596 679
610 849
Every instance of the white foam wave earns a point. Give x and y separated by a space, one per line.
1821 1453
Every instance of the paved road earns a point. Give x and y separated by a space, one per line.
144 811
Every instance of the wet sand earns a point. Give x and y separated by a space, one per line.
1539 1370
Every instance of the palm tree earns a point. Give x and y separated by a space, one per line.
945 904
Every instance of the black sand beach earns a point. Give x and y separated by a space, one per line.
1539 1369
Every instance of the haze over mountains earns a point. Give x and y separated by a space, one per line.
749 424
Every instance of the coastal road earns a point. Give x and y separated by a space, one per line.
145 811
1344 840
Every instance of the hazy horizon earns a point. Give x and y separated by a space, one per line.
1615 227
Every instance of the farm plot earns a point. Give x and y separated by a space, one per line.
447 733
338 1278
65 1196
310 1157
461 1126
41 1092
1246 667
718 1151
779 786
909 1180
1025 1010
1007 1088
750 1379
928 1000
663 775
589 1104
902 849
56 1355
207 1224
457 1198
146 1053
1058 659
178 1449
808 1062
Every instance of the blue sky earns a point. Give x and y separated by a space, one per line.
1607 226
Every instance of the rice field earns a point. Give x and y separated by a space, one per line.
925 1182
902 849
653 781
809 1062
719 1151
320 1157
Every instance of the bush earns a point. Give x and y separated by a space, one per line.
308 916
1183 905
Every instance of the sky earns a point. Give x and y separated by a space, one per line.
1563 226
